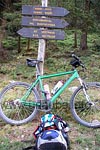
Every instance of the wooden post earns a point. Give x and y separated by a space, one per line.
42 45
28 44
19 47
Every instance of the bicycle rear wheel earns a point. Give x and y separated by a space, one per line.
84 112
11 110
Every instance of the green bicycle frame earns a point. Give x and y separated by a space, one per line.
74 75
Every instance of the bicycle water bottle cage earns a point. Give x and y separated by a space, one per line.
32 62
75 63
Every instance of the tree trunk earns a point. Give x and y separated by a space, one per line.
75 39
1 43
3 53
75 23
1 38
83 41
87 5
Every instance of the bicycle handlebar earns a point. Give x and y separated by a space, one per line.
77 62
76 57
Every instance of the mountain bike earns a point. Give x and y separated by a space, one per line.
20 101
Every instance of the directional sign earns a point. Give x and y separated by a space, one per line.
42 33
44 11
43 22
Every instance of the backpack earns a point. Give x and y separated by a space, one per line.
51 121
51 140
51 134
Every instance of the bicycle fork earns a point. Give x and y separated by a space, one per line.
84 86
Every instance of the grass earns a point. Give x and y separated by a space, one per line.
81 138
57 57
6 144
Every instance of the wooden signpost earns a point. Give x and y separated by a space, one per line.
44 11
42 45
42 33
37 23
43 22
35 16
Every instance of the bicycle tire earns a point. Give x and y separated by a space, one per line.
17 114
84 113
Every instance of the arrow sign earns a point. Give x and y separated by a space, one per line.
44 11
44 22
42 33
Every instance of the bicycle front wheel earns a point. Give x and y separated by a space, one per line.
11 110
86 112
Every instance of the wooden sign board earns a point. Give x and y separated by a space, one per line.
43 11
43 22
42 33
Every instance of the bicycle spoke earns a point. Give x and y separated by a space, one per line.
87 113
12 110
